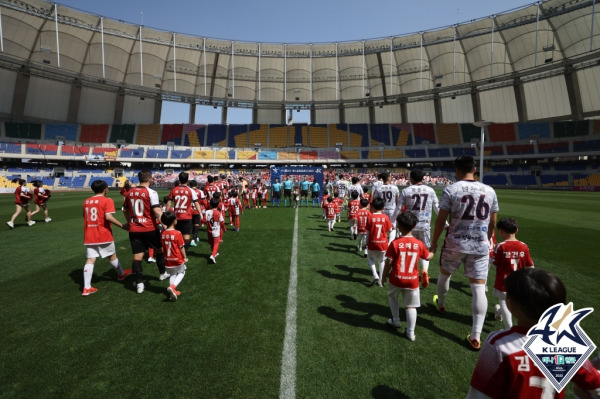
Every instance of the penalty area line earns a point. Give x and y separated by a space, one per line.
287 387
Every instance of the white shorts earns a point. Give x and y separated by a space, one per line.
376 256
410 297
423 235
476 266
100 250
352 222
175 270
499 294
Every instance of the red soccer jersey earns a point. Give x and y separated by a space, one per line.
378 226
96 229
40 195
510 256
20 199
210 189
504 370
264 194
172 242
338 203
214 222
201 200
234 206
405 253
324 201
367 196
139 204
183 198
353 207
330 208
362 215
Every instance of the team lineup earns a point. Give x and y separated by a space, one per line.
390 227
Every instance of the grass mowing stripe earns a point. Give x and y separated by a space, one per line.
288 364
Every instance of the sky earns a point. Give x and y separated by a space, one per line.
287 21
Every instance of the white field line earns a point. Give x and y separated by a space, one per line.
287 387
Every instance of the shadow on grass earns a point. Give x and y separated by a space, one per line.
341 247
111 275
387 392
349 274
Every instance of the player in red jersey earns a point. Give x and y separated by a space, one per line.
339 202
41 197
264 195
509 255
379 227
22 198
215 225
142 209
324 202
329 209
402 265
353 207
245 198
361 224
254 195
210 188
174 250
234 210
504 369
196 216
98 214
184 199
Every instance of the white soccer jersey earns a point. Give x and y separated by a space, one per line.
342 187
469 204
356 188
391 196
422 201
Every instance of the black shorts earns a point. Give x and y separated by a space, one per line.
184 226
304 193
276 195
195 219
287 193
315 194
141 241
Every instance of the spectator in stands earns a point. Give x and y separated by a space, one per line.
41 196
22 197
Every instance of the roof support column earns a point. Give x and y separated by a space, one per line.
157 110
192 113
520 100
476 101
74 100
20 95
574 93
404 112
119 104
437 107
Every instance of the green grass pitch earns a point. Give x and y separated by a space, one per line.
224 337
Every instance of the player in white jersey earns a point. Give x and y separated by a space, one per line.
355 187
421 200
473 208
391 197
342 187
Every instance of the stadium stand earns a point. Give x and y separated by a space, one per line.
41 149
278 136
157 153
415 153
216 134
553 147
470 132
571 129
424 132
495 180
10 148
519 149
25 131
122 132
258 134
401 136
245 155
347 155
148 135
195 135
338 134
181 154
439 153
448 134
493 150
67 131
500 132
359 135
75 150
132 153
460 151
203 154
318 136
586 145
94 134
173 133
523 180
527 131
309 155
392 154
299 135
380 135
238 136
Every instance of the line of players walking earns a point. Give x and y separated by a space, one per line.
23 197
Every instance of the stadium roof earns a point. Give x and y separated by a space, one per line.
55 41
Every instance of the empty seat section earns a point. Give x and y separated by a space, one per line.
195 135
359 135
122 132
10 148
299 135
527 131
172 133
519 149
79 181
94 134
502 132
27 131
108 179
554 180
439 152
215 134
380 135
415 153
318 136
545 148
350 154
391 154
75 150
41 149
132 152
203 154
257 135
104 150
470 132
244 155
493 150
495 180
181 154
286 155
338 134
401 136
328 154
309 155
148 135
157 153
424 132
267 155
278 136
374 154
586 180
523 180
586 145
571 129
222 155
458 152
238 136
448 133
68 131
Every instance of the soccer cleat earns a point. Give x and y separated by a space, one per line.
47 220
172 292
497 313
89 291
164 276
193 243
410 337
31 223
212 259
475 344
393 323
11 225
441 309
123 276
151 260
140 288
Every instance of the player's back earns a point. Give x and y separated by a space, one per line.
390 195
420 200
